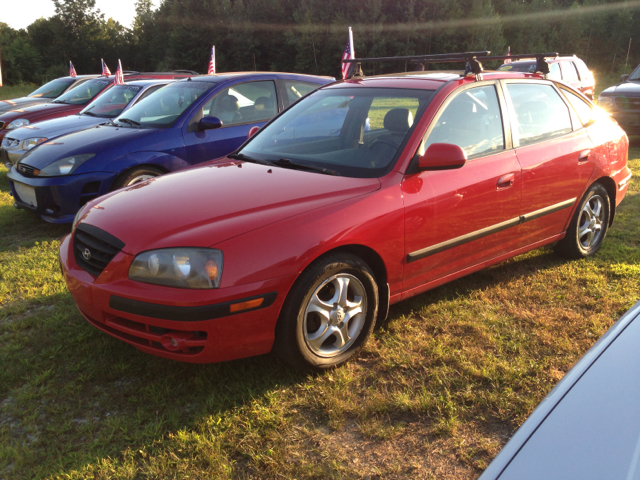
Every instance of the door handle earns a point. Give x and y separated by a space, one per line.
505 181
584 156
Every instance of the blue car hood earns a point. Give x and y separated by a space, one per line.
107 142
629 89
57 126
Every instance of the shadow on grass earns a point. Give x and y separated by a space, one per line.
72 393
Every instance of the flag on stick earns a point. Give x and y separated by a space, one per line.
105 69
0 74
72 70
119 80
508 60
349 53
212 62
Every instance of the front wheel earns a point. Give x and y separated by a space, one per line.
588 226
329 314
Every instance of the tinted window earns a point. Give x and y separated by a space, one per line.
569 73
244 103
582 69
540 113
472 120
296 89
53 89
84 93
582 108
354 131
149 91
163 107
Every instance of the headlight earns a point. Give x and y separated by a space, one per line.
605 102
18 122
76 219
179 267
64 166
29 143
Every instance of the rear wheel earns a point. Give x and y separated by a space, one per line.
588 226
136 175
329 313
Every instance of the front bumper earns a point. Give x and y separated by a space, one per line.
195 326
58 199
11 155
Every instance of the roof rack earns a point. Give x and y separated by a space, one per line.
472 67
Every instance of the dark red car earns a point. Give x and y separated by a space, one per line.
72 101
362 194
569 68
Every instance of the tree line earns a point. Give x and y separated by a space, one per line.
309 36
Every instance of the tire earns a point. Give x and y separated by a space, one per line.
588 226
135 175
319 328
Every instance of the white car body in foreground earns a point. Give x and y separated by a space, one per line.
588 427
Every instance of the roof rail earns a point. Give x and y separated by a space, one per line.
185 71
473 66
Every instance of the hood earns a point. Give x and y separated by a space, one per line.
37 111
205 205
103 140
629 89
7 105
56 127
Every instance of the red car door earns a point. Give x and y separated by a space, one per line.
556 157
455 219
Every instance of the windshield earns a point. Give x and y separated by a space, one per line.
53 89
111 103
83 93
162 108
355 132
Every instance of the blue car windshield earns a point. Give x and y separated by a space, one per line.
83 93
162 108
111 103
355 132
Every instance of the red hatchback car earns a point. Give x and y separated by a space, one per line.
360 195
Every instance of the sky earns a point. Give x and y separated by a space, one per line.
21 13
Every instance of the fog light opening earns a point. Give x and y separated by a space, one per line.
175 342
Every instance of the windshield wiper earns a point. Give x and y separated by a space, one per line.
286 163
91 114
130 122
59 101
247 158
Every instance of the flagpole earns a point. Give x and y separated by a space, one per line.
353 50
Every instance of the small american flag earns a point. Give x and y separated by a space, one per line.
349 53
105 69
72 70
508 60
119 80
212 62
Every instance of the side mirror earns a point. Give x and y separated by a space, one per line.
252 131
209 123
623 78
442 156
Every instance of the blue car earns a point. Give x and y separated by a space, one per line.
108 105
182 124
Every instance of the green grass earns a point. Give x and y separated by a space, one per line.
8 92
436 393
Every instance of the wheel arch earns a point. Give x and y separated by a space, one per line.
610 186
377 265
133 167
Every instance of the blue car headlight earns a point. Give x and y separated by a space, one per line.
179 267
64 166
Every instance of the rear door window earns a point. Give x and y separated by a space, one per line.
297 89
472 120
582 108
244 103
538 113
569 72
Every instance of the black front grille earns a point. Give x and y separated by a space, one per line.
94 248
26 170
1 125
10 142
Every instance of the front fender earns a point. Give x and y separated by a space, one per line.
163 160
